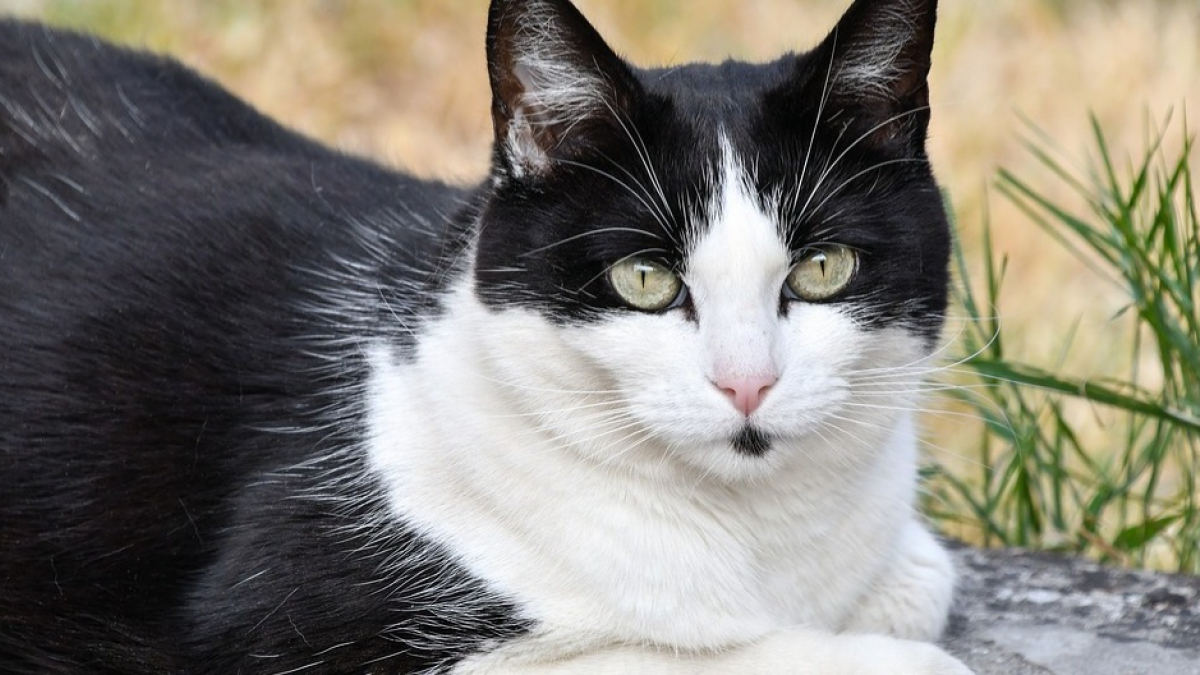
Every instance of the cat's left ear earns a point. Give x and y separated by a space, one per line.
557 88
873 69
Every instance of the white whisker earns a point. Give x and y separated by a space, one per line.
845 151
589 233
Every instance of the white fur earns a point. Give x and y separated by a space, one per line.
586 472
871 68
557 91
735 274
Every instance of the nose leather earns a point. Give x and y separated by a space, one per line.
747 393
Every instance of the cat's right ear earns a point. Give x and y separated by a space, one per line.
557 88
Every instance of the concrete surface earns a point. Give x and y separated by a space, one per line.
1020 613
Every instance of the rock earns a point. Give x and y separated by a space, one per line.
1021 613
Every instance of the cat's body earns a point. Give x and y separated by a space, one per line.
268 408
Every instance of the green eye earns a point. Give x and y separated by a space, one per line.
644 284
822 273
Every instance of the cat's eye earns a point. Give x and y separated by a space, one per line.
645 284
822 273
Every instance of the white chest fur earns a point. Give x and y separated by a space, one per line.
632 547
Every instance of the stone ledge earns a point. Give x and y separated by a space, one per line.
1021 613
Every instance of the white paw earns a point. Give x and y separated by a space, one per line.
880 655
791 652
806 653
920 658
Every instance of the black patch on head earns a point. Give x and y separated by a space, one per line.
833 139
597 179
548 242
751 442
848 163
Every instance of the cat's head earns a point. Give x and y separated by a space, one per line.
720 260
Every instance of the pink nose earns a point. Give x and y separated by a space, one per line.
747 393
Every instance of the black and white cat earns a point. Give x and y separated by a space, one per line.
640 403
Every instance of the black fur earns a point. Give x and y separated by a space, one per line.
551 236
180 418
751 441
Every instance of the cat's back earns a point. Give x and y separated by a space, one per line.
182 285
124 175
60 87
157 232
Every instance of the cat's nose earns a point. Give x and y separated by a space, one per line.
747 393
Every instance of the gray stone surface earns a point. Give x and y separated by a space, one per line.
1020 613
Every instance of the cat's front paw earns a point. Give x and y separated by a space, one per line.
879 655
915 658
804 653
789 652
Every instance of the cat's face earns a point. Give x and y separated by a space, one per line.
728 262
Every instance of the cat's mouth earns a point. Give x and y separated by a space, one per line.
750 441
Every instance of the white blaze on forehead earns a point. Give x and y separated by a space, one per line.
735 272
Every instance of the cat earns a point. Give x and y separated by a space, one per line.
640 402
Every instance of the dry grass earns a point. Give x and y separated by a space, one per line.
405 81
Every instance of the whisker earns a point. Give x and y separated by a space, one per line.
874 167
837 160
921 440
820 112
928 357
589 233
621 183
914 409
553 411
639 146
922 388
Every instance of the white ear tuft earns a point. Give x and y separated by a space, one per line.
555 84
873 70
556 98
881 48
878 58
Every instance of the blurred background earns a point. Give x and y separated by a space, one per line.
404 81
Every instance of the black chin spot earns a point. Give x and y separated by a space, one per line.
751 442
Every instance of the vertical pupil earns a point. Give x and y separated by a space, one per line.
643 273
